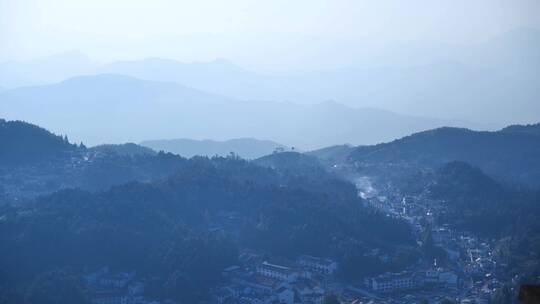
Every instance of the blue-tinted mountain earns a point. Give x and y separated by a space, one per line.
24 143
164 229
45 70
219 76
128 149
248 148
116 109
500 74
474 201
305 169
333 154
296 163
34 161
510 154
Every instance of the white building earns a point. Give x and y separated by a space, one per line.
319 265
393 282
277 271
442 277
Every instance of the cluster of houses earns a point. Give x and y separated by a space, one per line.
409 280
29 181
469 264
392 282
309 279
106 287
259 279
262 282
468 257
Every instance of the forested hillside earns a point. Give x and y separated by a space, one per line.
510 154
22 143
183 230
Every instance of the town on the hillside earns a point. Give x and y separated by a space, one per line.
471 275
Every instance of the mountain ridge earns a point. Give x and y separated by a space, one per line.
245 147
122 104
508 154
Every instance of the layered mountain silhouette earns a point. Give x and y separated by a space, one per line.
45 70
114 109
248 148
500 74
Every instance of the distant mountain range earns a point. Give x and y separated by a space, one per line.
45 70
114 109
443 88
500 74
247 148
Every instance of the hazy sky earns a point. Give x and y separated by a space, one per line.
242 29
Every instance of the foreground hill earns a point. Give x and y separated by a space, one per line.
293 163
166 230
509 154
248 148
24 143
130 149
34 161
114 109
333 154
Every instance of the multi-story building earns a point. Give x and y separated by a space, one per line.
319 265
393 282
276 271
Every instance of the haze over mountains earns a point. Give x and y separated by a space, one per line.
45 70
509 154
269 152
114 109
501 73
247 148
451 83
